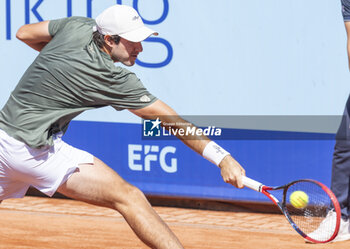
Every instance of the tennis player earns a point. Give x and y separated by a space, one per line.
75 72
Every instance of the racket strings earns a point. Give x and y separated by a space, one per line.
312 212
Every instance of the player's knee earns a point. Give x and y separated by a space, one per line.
130 195
134 194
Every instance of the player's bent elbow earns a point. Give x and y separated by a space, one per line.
21 34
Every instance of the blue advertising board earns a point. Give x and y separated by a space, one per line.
169 168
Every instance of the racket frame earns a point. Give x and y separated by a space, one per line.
259 187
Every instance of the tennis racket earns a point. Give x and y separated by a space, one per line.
317 220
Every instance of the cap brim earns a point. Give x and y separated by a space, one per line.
139 34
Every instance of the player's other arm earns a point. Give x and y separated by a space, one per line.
231 170
347 28
35 35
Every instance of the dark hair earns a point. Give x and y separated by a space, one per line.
98 38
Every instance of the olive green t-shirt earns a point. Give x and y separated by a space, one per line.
69 76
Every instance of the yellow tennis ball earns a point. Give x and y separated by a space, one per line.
299 199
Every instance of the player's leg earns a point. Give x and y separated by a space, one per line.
340 176
340 184
341 162
100 185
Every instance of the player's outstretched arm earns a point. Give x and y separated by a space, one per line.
35 35
231 170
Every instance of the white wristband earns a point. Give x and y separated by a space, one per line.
214 153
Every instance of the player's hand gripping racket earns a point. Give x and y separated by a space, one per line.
309 206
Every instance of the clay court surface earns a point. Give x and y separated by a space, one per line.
37 222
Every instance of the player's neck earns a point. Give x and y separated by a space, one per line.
106 50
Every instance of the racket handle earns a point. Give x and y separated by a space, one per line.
252 184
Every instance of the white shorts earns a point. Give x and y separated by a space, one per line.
45 169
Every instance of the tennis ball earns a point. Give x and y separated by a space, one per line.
299 199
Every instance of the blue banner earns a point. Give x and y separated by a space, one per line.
169 168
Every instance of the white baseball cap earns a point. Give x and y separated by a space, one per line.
124 21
